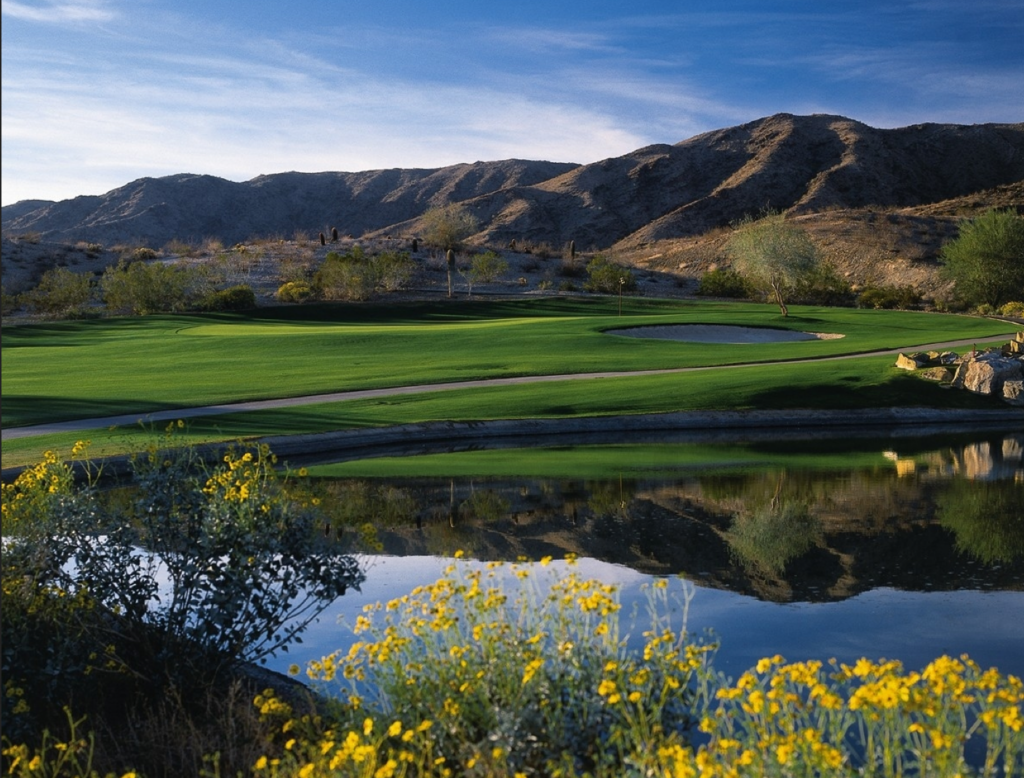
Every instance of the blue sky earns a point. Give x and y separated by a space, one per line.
97 93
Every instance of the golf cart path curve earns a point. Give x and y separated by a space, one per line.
78 425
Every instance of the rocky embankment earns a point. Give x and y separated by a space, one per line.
991 372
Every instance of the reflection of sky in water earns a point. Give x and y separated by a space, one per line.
910 626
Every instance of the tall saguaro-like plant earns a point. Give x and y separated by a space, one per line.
773 255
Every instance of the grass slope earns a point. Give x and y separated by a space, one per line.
862 382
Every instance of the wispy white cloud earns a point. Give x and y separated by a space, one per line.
59 11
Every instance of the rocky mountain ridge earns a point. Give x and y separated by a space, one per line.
801 164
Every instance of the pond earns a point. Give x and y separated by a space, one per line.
904 548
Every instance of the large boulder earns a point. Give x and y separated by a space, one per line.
986 373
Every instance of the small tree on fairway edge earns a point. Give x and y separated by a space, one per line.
772 254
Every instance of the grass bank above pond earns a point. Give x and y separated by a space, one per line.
73 370
859 383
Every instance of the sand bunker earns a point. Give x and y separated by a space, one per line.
721 333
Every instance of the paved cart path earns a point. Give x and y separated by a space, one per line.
77 425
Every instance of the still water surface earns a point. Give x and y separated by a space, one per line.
904 549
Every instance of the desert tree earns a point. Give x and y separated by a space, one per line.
773 255
447 226
986 260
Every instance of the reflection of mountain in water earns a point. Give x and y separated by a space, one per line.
781 535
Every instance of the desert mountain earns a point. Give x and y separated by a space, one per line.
802 164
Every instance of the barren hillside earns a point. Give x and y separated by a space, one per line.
880 203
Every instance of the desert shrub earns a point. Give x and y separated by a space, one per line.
357 276
890 297
182 248
1014 309
294 292
142 254
724 282
91 250
823 285
606 277
392 270
60 292
153 287
235 298
567 286
511 684
9 303
485 268
344 276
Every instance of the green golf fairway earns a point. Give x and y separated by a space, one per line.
84 369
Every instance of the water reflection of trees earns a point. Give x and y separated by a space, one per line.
986 518
775 534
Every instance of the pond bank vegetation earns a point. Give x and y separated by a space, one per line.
498 669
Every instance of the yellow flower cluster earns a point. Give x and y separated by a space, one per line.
460 653
915 723
28 497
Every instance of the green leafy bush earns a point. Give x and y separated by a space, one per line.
724 282
357 276
153 287
986 260
235 298
485 268
60 292
606 277
889 297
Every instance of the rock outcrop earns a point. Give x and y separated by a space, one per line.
993 372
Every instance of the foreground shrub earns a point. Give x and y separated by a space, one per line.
522 684
239 567
457 678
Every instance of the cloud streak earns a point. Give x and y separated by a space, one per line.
129 91
58 12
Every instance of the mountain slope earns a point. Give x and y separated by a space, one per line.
802 164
